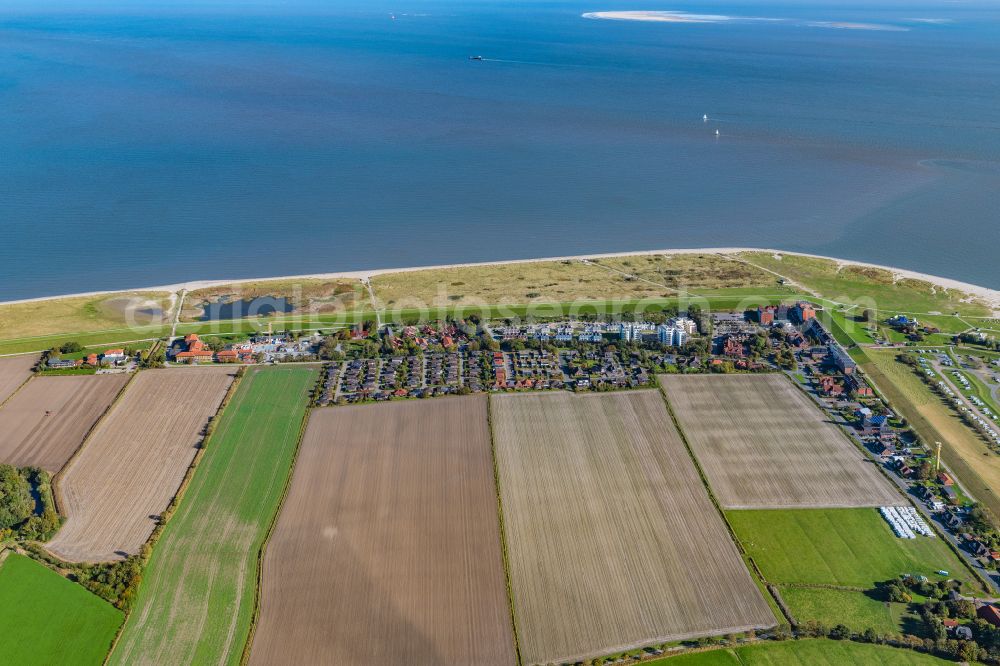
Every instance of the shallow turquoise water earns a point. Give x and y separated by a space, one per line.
225 140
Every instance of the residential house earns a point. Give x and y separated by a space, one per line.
763 315
113 355
830 386
876 425
841 359
733 346
228 356
990 613
804 312
858 387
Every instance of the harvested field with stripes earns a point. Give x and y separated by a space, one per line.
197 596
612 539
14 371
45 422
763 444
387 549
131 466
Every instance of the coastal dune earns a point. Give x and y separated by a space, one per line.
990 296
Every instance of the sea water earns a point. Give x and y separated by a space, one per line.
146 143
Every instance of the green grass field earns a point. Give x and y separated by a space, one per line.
845 328
46 619
845 547
871 286
197 597
809 652
857 610
102 339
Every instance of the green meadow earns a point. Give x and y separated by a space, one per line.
843 547
46 619
808 652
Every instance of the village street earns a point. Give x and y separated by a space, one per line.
905 488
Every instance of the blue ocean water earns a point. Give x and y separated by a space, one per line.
145 143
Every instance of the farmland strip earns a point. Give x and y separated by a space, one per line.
763 444
114 491
196 601
387 549
613 540
45 422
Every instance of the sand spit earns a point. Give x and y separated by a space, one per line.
659 16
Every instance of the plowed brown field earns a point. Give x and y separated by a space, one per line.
14 371
133 463
46 421
612 539
387 549
764 444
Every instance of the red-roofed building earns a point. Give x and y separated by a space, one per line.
829 386
733 347
945 479
194 356
804 311
765 315
194 350
227 356
193 343
990 613
113 355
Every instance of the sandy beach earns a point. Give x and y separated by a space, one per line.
657 16
990 296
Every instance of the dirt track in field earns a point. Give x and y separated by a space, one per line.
14 371
764 444
387 549
133 463
46 421
612 539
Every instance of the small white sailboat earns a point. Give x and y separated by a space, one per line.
704 118
716 132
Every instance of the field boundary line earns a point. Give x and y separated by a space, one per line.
31 375
261 552
90 431
146 550
823 586
56 480
775 591
745 556
503 533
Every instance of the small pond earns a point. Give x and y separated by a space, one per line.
247 307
